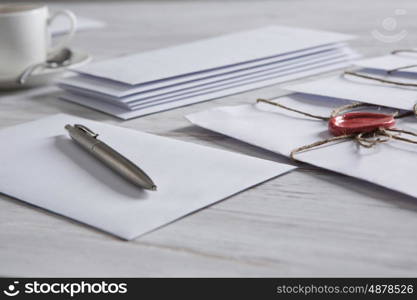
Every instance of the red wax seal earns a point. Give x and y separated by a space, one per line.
359 122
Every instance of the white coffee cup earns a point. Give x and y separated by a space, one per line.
24 36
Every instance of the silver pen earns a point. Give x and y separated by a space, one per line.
87 139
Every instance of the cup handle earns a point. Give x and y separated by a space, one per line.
68 36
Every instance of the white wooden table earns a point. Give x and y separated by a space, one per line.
308 223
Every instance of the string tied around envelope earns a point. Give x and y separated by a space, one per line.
379 79
403 67
387 81
380 127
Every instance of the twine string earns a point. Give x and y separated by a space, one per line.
319 143
401 68
404 51
367 140
371 139
404 67
398 137
352 73
339 110
293 110
343 108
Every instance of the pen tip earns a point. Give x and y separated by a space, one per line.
153 188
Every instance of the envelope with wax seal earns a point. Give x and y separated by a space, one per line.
281 131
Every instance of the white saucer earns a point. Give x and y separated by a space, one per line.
43 76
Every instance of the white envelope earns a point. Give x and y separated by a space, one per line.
41 165
119 90
392 164
220 80
390 62
360 90
239 81
125 114
210 53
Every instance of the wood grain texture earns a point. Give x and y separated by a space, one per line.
310 222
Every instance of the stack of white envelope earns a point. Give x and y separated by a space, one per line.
149 82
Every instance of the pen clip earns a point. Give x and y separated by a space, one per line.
86 130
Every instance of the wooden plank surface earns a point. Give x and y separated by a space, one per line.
307 223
